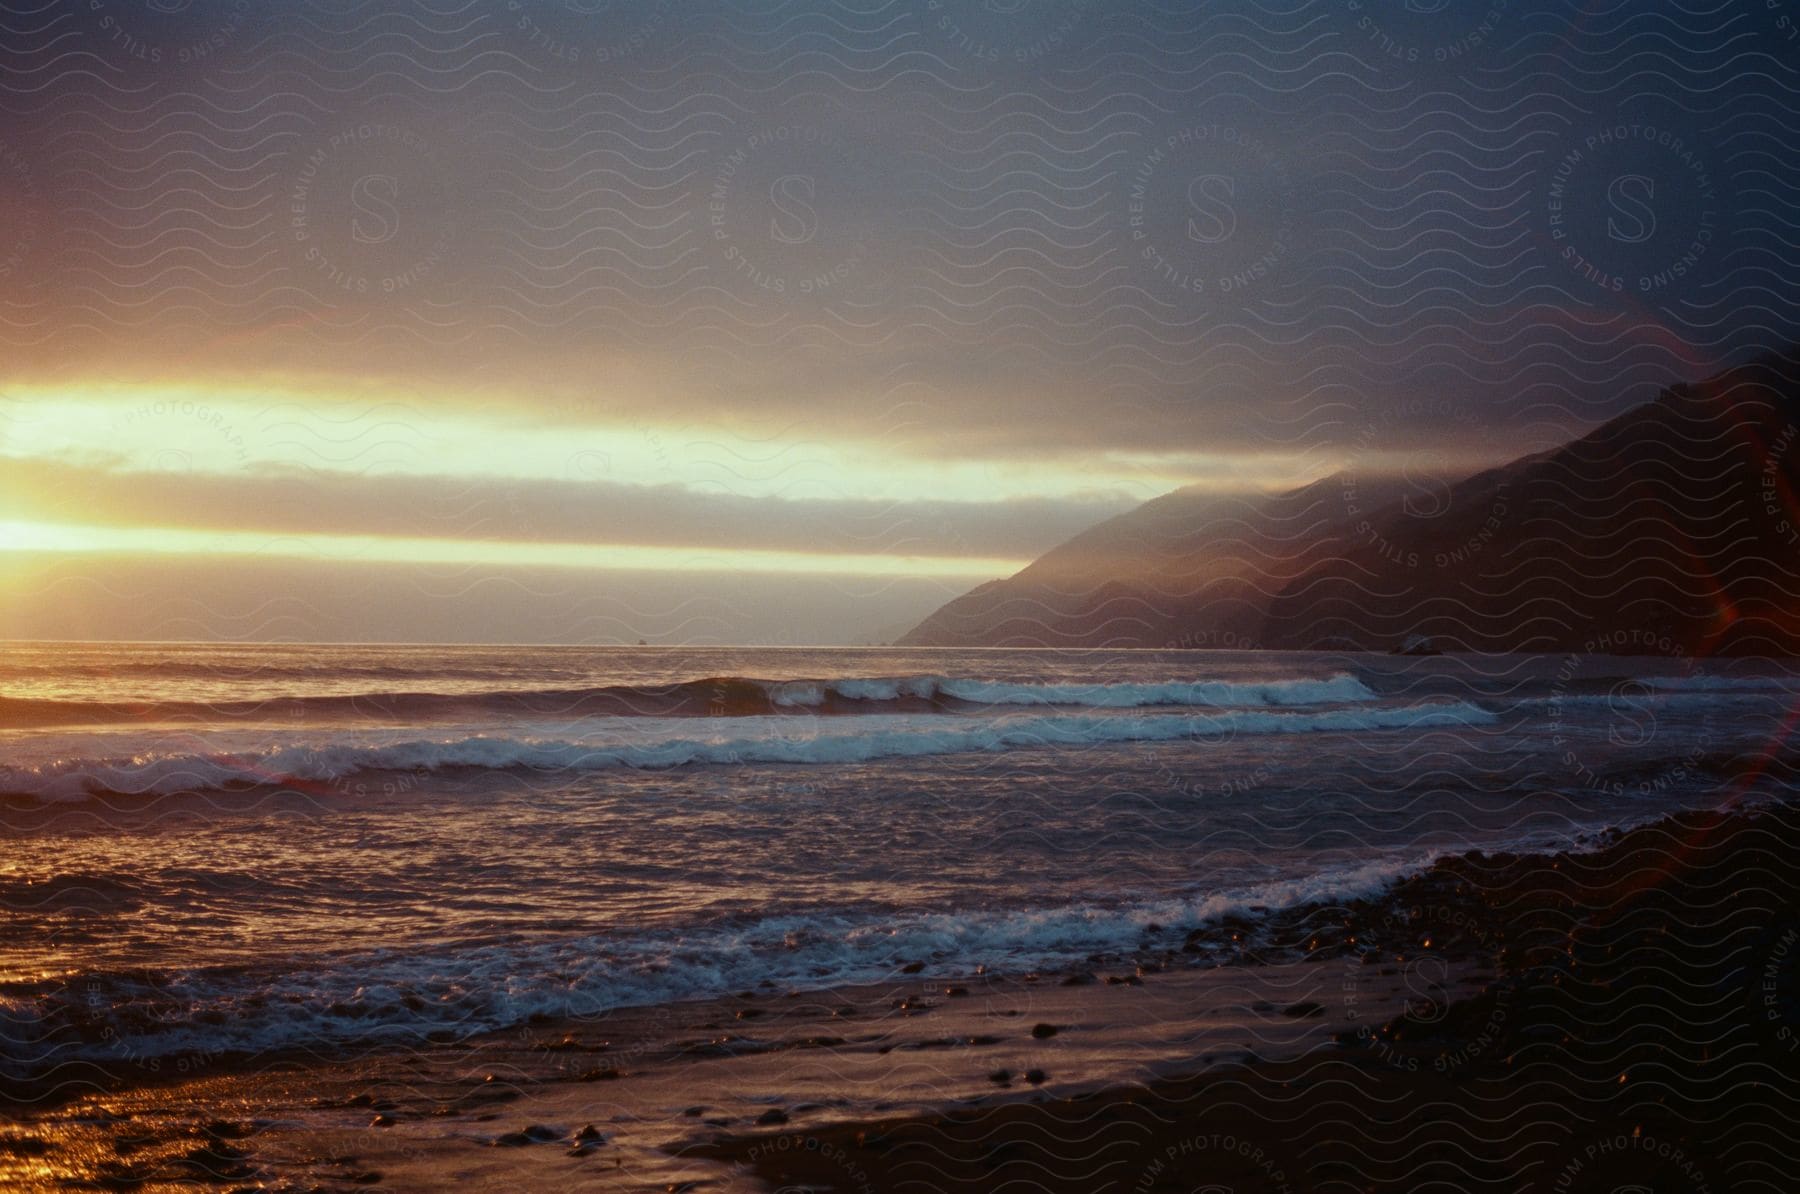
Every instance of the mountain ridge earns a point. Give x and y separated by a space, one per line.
1674 522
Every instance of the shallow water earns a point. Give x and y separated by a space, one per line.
216 848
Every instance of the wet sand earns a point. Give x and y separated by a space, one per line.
1552 1022
639 1099
1642 1034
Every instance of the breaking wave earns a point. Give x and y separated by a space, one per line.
734 696
401 996
772 740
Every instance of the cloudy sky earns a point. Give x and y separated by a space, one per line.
783 322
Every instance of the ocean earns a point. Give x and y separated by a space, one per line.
220 849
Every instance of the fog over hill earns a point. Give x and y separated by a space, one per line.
1671 529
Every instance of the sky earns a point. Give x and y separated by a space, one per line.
781 323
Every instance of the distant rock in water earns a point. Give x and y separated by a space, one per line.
1673 529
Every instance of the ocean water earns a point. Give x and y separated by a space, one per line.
208 849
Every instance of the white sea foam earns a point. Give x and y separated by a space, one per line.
401 995
662 743
1338 689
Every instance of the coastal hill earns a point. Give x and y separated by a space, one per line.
1188 569
1672 529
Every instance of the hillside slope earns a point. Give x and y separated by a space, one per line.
1671 529
1188 569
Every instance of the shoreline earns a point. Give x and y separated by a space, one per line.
641 1095
1471 989
1251 935
1643 1031
1467 995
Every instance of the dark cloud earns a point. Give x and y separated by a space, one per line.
1045 227
982 230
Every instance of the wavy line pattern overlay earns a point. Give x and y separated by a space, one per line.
1379 418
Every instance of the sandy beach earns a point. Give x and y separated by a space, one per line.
645 1098
1539 1022
900 597
1639 1034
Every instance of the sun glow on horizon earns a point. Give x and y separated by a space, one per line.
26 537
241 429
140 437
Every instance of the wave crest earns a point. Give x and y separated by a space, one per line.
714 696
780 741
